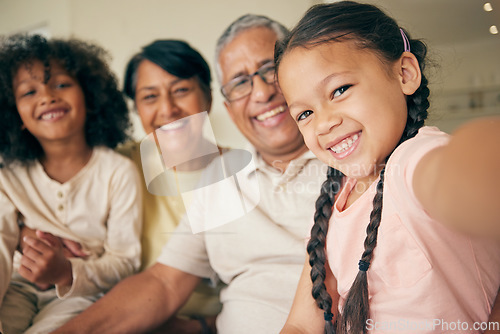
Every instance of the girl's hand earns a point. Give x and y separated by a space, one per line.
25 232
44 261
71 248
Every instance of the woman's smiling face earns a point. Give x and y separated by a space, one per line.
164 103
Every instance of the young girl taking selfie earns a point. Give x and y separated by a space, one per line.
381 256
60 180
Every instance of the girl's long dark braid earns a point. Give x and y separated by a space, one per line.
317 243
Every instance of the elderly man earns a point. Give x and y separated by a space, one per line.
259 255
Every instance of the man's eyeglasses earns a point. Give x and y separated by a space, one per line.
241 86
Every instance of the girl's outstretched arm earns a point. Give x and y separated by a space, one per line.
305 316
459 184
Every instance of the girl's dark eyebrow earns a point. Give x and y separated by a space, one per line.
17 84
60 73
322 83
332 76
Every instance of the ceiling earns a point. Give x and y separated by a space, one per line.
444 22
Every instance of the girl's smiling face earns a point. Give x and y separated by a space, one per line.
349 106
54 110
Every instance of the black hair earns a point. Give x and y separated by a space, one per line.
175 57
369 28
107 119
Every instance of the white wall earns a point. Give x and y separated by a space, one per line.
22 15
123 26
465 83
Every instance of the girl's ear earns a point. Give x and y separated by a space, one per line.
409 73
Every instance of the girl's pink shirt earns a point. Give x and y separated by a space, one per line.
424 277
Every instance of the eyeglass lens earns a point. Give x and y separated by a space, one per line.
243 85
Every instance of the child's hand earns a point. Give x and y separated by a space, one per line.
25 232
71 248
44 261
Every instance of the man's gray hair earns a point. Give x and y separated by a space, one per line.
244 23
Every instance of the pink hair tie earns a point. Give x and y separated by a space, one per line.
405 40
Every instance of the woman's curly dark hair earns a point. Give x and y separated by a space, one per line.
107 121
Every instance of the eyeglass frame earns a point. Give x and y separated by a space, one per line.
268 65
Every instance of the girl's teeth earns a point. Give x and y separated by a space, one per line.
51 115
270 113
345 144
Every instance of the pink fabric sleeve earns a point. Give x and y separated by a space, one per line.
404 160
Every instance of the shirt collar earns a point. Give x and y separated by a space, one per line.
294 165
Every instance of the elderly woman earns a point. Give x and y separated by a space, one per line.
169 81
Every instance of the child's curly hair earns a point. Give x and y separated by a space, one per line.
107 121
